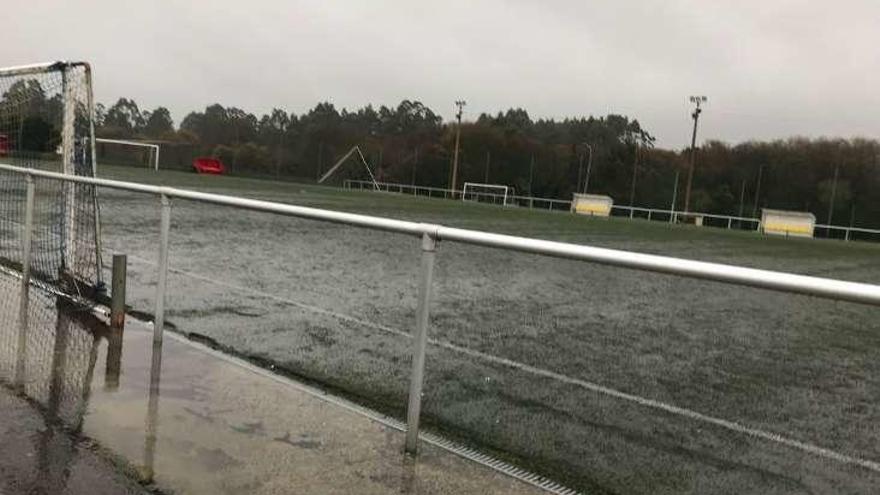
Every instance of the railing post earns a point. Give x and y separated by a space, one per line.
420 342
164 232
158 328
24 299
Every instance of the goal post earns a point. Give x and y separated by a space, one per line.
152 149
47 122
486 193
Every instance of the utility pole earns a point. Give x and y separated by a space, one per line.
632 189
320 159
577 185
415 164
758 191
742 199
589 169
697 101
531 173
488 161
280 150
833 191
460 104
674 197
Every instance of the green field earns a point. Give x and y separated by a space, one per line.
521 341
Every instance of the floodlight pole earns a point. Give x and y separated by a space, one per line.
696 100
833 191
531 173
589 167
415 164
488 161
460 104
632 190
674 197
758 191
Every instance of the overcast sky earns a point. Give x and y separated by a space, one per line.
771 68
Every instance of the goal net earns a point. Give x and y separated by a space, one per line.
47 123
486 193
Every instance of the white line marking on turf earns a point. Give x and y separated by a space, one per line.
594 387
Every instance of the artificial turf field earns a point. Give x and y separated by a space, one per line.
522 343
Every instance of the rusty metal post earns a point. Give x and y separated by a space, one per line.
117 294
117 322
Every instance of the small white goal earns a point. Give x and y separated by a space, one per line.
153 149
485 193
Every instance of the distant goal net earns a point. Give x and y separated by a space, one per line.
485 193
47 123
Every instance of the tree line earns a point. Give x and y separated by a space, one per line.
411 144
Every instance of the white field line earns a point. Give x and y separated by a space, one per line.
594 387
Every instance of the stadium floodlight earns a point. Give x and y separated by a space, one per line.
47 117
488 193
153 148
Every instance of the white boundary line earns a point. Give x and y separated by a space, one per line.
593 387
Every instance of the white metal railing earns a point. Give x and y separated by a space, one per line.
433 192
430 235
654 214
847 231
440 192
673 216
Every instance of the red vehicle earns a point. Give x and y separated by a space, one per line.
207 165
4 145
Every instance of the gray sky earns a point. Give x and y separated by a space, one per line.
771 68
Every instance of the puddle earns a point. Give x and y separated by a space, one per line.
195 421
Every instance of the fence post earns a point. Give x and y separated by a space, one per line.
117 294
158 328
420 342
24 299
729 223
117 322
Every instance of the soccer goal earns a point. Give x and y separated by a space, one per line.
486 193
151 149
47 123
